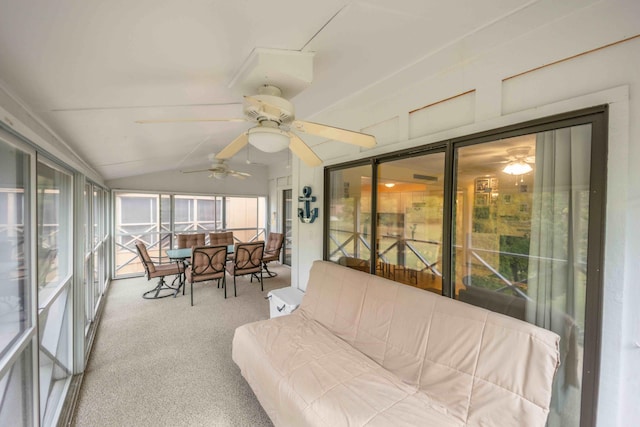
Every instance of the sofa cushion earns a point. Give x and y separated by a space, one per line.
460 355
304 375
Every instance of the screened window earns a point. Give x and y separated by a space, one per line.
155 219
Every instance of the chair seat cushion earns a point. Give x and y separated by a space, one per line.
239 272
201 277
165 270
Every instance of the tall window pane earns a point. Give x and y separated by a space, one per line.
98 225
54 214
409 221
520 241
88 248
195 214
136 217
15 301
349 239
242 218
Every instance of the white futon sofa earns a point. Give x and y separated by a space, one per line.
363 350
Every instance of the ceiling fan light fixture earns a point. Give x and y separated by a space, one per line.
517 168
268 139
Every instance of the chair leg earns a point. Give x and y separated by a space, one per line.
261 282
234 286
224 283
269 272
160 286
191 294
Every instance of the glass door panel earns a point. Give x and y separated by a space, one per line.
520 241
349 239
410 222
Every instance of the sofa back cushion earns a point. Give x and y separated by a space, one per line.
464 357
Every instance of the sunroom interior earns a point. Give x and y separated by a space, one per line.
502 174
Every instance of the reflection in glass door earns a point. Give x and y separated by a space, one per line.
349 223
410 199
520 241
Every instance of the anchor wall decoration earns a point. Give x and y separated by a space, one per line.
306 214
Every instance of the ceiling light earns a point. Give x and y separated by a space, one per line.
268 139
389 185
517 168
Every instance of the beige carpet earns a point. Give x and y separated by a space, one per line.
165 363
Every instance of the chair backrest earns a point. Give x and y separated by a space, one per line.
273 244
149 266
190 240
208 262
221 238
248 257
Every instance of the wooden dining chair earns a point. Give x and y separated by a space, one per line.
153 270
248 260
190 240
272 249
207 263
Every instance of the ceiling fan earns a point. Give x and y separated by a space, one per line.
519 162
276 128
220 170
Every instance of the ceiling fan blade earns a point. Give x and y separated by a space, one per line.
146 122
235 146
241 175
303 151
199 170
337 134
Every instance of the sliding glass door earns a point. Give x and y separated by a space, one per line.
509 220
520 247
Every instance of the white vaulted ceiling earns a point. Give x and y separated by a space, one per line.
90 69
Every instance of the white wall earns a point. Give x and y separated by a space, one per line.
609 75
